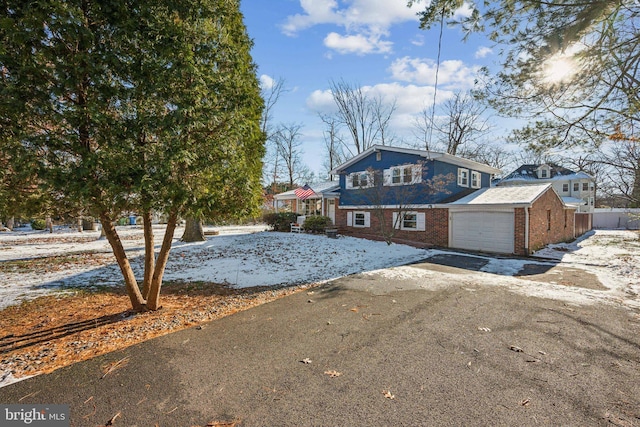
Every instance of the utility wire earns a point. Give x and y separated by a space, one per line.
435 87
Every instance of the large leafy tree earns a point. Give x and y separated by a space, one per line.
135 106
570 66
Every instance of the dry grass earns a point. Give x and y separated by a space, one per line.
50 332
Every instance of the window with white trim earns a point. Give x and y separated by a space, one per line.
565 188
476 179
403 175
463 177
362 179
359 219
410 221
576 186
585 186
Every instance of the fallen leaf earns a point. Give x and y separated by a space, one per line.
483 329
306 361
333 374
515 348
112 420
525 402
388 394
113 366
354 309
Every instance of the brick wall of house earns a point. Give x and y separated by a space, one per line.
549 222
520 232
436 227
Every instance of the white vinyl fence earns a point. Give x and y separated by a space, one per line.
616 218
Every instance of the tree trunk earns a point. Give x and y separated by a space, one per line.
79 225
11 223
149 252
153 299
49 224
137 301
193 231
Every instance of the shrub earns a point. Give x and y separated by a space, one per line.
280 221
316 223
38 224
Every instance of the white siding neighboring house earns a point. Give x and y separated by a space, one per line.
575 188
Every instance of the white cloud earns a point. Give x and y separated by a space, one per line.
464 11
418 40
423 71
365 22
483 52
266 82
359 44
315 12
409 99
321 101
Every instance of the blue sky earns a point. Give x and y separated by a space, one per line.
376 44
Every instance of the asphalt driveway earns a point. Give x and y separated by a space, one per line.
370 349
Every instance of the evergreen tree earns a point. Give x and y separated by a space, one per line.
571 67
135 106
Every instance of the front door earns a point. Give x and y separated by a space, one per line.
331 210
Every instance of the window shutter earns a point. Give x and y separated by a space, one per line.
386 177
416 172
397 223
420 221
367 219
349 219
348 182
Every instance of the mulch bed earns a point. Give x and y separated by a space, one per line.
51 332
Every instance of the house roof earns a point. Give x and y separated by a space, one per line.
320 188
512 195
430 155
529 173
574 201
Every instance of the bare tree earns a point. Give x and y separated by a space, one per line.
271 94
366 118
287 142
459 123
334 144
622 177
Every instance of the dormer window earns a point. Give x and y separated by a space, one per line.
543 172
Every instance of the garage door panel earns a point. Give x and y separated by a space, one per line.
483 231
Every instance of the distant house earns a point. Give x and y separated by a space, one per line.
318 199
575 188
436 199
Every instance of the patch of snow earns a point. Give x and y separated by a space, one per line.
248 256
239 256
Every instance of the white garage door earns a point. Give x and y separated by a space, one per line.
482 231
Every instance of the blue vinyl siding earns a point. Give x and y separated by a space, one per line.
401 194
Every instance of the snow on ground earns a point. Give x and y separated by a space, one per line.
39 263
238 256
613 256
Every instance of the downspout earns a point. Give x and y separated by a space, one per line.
526 230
